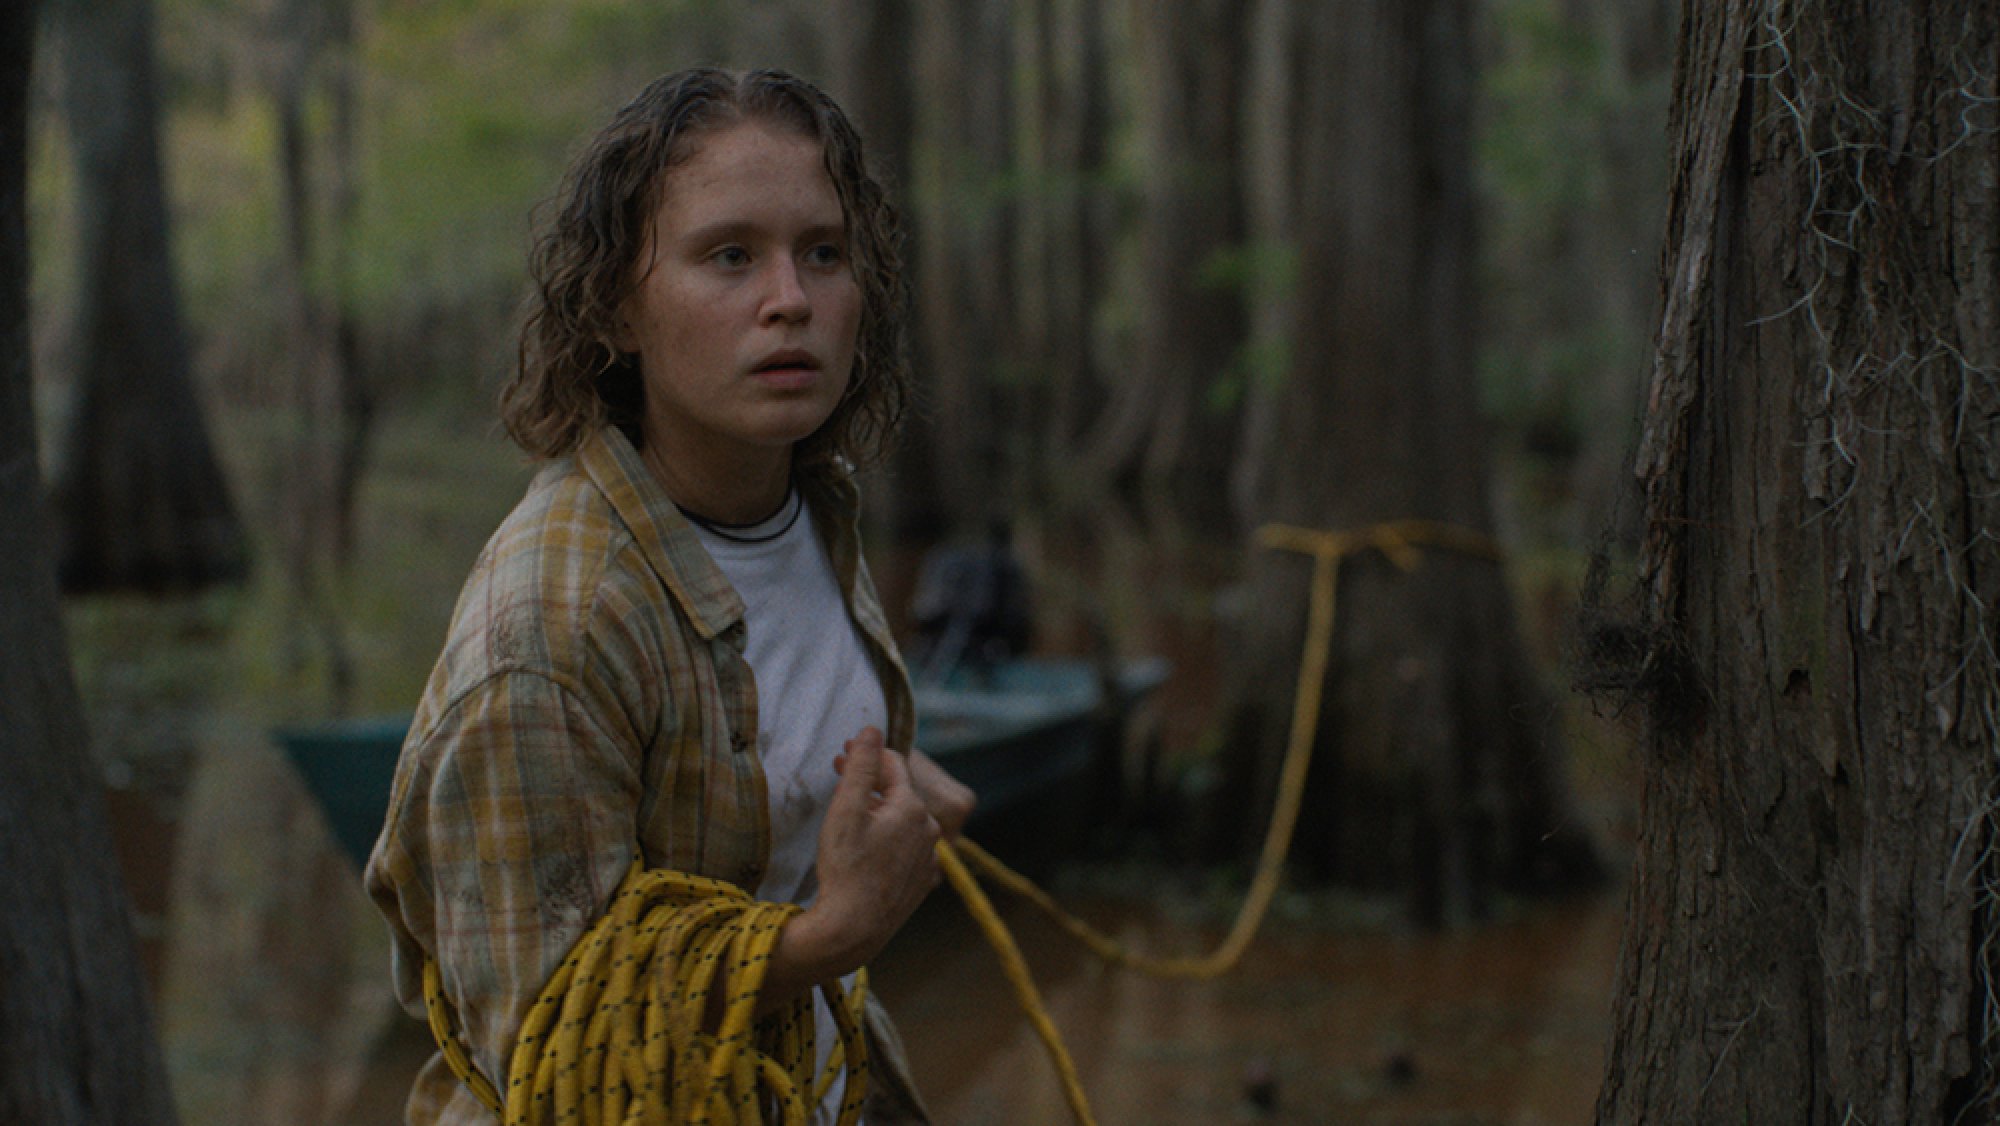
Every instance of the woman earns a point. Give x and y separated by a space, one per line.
664 648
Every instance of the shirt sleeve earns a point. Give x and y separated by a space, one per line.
514 826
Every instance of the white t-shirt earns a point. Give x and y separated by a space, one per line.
816 689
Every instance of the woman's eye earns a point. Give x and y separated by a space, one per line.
825 254
731 257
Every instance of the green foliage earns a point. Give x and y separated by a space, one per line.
1568 148
222 179
1258 362
467 113
1536 375
1256 272
1261 270
472 109
1544 97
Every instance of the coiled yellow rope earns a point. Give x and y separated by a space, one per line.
595 1053
604 1045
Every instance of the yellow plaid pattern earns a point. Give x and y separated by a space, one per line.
592 701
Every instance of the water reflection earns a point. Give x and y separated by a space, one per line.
1327 1020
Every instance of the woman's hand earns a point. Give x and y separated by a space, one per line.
876 861
950 801
876 864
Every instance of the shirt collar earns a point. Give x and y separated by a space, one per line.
664 536
668 539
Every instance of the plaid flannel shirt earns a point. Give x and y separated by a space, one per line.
592 700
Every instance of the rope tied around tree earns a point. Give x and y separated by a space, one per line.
1403 542
592 1052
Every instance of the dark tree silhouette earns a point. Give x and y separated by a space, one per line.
140 501
76 1041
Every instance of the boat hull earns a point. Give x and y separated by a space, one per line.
1021 737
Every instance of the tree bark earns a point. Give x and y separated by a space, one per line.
140 501
1192 248
1437 769
76 1040
1164 418
1077 109
312 40
1811 929
872 58
964 269
1270 159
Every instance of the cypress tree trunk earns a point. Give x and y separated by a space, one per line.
963 230
1076 99
1812 919
1162 418
140 500
76 1041
1437 770
1270 159
871 60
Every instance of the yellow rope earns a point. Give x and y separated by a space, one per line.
595 1053
600 1046
1401 541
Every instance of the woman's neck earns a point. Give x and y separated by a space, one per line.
741 490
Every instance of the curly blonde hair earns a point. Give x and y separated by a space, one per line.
572 379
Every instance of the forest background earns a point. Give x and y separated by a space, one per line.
1105 213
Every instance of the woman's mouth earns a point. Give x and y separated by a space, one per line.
787 369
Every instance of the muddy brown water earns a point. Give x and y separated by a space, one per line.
1323 1022
275 1004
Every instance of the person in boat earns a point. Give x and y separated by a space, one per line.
671 650
971 607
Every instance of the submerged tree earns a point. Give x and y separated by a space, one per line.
140 500
1811 933
76 1041
1436 771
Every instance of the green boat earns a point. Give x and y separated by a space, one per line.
1022 734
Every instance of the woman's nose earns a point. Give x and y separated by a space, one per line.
786 299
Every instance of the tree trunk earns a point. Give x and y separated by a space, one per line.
1438 771
1191 247
964 273
76 1040
1812 919
332 405
1167 417
1078 226
140 501
1270 159
871 53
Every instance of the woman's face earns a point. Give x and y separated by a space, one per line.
746 308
